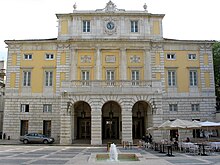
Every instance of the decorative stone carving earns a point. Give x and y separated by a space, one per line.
157 46
145 7
206 46
85 59
110 8
63 46
110 59
110 26
135 59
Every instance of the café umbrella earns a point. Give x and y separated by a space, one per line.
178 124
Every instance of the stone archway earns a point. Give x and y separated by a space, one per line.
141 119
81 122
111 121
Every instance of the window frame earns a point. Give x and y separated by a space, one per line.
135 77
47 108
85 78
86 26
49 56
171 56
134 26
195 107
110 76
26 81
191 56
171 78
193 77
29 56
173 107
48 78
24 108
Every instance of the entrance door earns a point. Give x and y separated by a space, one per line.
47 128
138 128
24 127
84 128
110 128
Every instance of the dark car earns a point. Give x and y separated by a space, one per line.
36 138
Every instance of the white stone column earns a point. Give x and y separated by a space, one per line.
96 125
147 65
73 63
123 64
127 123
98 65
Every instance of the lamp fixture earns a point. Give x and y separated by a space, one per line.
83 113
111 114
69 104
138 112
153 105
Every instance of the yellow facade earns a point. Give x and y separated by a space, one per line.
38 65
64 27
112 64
63 58
206 59
182 65
14 60
85 62
135 65
207 79
156 27
12 80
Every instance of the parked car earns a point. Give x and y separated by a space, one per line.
36 138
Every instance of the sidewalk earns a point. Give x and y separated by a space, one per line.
10 142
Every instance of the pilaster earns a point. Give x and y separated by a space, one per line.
123 66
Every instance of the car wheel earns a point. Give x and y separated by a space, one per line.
25 141
45 141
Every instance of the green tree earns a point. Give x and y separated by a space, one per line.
216 62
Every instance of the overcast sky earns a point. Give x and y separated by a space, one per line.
34 19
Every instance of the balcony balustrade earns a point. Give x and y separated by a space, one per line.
111 87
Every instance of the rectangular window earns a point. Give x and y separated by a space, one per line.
191 56
49 56
193 78
134 26
47 108
171 78
85 77
110 76
86 26
26 78
195 107
48 78
173 107
27 56
135 77
171 56
24 107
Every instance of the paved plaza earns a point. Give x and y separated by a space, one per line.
34 154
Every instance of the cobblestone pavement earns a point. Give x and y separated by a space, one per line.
55 154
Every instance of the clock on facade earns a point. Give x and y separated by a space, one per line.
110 25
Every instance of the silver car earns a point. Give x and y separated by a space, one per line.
36 138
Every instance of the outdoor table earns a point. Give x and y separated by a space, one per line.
215 145
169 150
155 146
162 148
201 148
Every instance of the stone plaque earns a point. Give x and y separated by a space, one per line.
110 59
135 59
86 59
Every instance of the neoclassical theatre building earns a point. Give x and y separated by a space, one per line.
109 75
